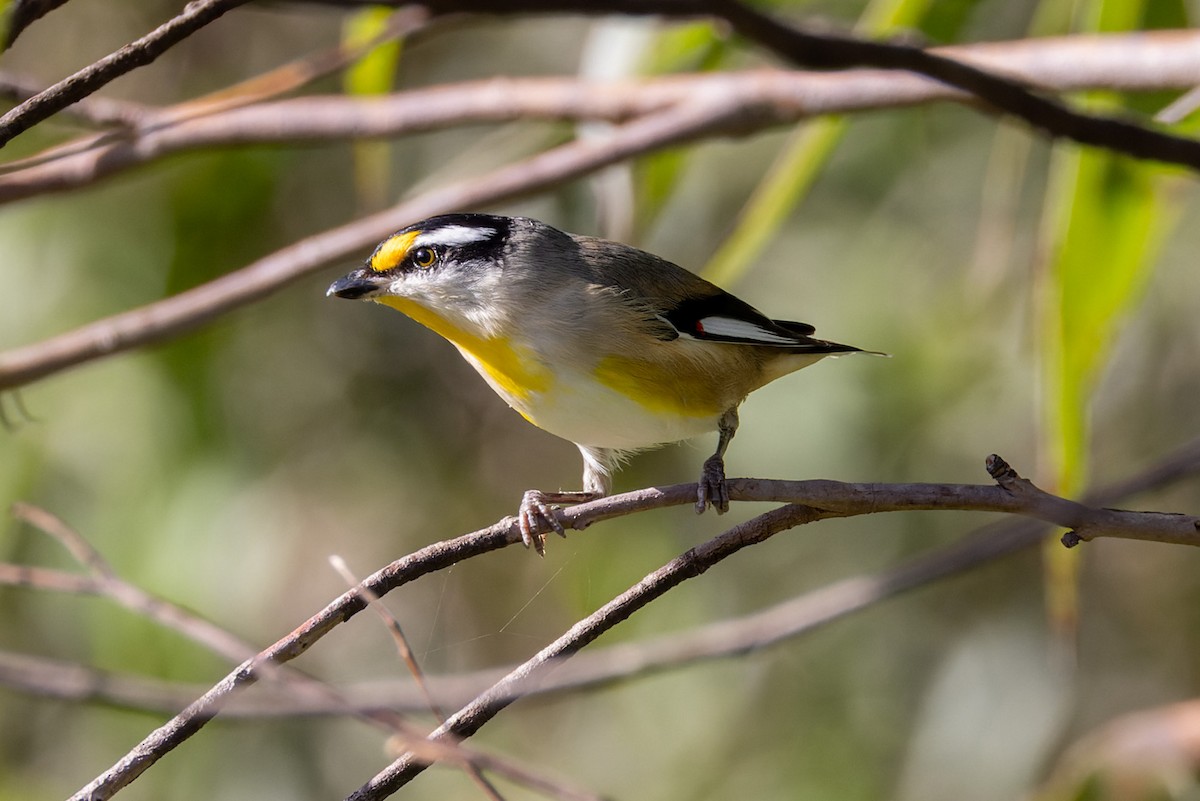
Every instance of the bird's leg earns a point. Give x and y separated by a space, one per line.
536 517
712 489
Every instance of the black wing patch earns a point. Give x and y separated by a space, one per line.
725 318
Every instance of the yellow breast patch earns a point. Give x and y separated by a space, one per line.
515 375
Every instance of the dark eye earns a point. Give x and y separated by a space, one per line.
424 257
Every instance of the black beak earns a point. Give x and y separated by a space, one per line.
361 283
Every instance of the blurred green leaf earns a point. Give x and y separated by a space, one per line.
373 74
785 185
1106 220
946 24
657 177
6 15
793 173
1109 217
694 47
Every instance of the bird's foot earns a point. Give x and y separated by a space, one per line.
536 518
712 490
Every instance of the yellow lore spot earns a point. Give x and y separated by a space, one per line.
515 376
389 255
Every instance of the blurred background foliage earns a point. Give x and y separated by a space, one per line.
1038 300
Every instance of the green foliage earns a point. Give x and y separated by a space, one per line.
7 7
1107 218
804 155
372 74
695 47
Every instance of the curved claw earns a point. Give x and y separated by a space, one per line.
712 489
536 518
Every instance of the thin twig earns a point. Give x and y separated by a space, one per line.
140 122
22 13
395 630
194 16
406 654
296 74
1179 110
103 580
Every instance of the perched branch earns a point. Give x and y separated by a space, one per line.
604 666
688 565
836 500
817 500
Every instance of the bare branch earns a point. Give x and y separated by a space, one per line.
819 500
53 678
829 51
194 16
1146 61
831 501
137 120
1005 95
46 578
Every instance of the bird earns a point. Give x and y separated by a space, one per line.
598 342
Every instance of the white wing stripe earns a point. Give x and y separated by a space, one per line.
741 329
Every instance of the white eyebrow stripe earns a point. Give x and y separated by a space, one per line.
741 329
454 235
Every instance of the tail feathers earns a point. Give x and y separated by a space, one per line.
810 344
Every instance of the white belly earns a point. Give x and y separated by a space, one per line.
589 413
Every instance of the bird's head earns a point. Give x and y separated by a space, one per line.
451 266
